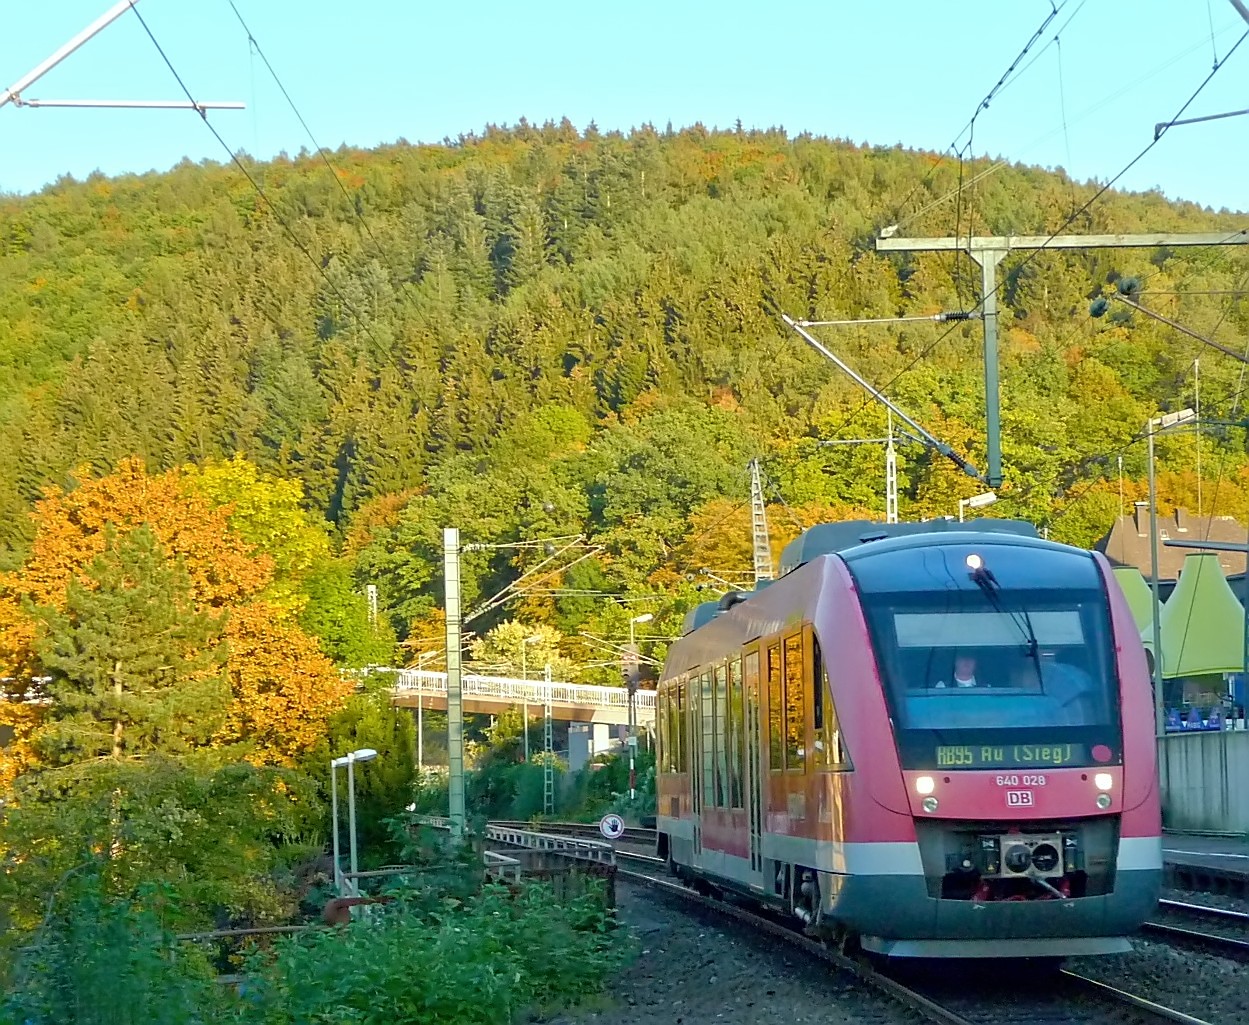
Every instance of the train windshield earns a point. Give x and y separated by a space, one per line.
994 675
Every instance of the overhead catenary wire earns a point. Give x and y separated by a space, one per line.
299 244
998 87
1033 254
254 43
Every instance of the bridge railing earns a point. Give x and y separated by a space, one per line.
516 691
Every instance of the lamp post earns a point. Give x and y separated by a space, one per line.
365 754
632 684
1157 425
975 502
524 692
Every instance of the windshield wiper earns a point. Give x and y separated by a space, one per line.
983 578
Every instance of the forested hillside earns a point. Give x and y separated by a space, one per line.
536 333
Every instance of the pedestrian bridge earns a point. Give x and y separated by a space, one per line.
573 702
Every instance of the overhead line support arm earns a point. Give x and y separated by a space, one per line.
989 250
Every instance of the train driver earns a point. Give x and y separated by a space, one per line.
964 672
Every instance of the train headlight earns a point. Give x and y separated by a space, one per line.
1103 781
929 804
1103 801
925 785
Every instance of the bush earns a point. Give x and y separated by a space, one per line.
111 963
480 962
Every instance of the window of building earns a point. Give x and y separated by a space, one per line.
795 720
776 710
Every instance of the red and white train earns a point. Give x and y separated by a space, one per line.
930 739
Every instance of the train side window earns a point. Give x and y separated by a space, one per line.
674 726
829 749
723 732
662 751
776 711
682 730
705 716
795 720
736 726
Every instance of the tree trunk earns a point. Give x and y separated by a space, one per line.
117 721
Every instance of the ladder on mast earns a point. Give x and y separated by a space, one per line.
759 526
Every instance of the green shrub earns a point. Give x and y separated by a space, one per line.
483 961
102 962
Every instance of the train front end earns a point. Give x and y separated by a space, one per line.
1021 710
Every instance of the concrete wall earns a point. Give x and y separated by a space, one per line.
1205 781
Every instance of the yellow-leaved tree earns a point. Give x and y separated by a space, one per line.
282 689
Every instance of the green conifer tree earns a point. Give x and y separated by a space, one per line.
134 668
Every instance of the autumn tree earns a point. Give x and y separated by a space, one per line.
283 688
134 667
513 647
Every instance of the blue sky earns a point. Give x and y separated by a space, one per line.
371 71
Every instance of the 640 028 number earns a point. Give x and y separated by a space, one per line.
1027 779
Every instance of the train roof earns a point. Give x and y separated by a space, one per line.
841 539
835 538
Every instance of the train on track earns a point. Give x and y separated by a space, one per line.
923 740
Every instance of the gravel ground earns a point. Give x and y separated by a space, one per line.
695 968
1208 987
1209 900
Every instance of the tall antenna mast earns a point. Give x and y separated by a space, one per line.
759 526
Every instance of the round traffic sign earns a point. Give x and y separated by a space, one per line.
612 826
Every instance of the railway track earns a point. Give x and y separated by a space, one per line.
1222 932
1039 998
1050 998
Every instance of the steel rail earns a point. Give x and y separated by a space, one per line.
931 1009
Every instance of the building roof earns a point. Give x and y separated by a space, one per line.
1127 543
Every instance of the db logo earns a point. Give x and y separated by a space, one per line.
1019 798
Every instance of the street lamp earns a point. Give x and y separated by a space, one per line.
365 754
524 691
420 710
1156 426
645 617
975 502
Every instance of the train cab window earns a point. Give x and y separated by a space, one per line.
1012 670
722 736
736 725
829 750
776 711
795 719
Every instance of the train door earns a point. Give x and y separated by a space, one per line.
753 781
696 764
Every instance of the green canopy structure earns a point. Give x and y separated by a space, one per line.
1203 625
1140 597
